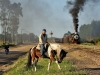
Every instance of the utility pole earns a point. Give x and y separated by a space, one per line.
16 38
22 36
28 38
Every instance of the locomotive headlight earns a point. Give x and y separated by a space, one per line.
76 37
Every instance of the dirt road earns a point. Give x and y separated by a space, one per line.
85 58
15 52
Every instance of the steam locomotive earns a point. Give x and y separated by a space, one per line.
72 38
76 38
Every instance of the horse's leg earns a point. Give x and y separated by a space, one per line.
33 58
36 63
51 59
57 62
49 64
58 65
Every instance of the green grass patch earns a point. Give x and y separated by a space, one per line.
19 68
88 44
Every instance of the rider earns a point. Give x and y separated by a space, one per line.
43 41
6 47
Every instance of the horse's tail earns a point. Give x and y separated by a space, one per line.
29 59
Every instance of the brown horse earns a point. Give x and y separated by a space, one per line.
54 53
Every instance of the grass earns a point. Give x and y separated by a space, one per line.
98 44
19 68
1 42
88 44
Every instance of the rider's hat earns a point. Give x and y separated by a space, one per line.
44 30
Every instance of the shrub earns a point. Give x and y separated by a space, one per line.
96 40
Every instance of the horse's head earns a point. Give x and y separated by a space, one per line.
62 55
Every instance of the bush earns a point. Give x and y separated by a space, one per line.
86 43
96 40
11 45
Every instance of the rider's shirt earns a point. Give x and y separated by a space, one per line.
42 39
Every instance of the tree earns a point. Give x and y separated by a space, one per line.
67 34
90 31
15 13
11 12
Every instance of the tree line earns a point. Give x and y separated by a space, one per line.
90 31
20 38
9 23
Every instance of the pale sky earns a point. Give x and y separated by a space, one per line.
50 14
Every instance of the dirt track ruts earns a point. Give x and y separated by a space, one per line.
84 58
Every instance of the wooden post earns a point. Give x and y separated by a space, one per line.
51 33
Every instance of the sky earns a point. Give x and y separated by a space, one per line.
50 14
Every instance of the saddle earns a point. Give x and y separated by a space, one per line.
45 48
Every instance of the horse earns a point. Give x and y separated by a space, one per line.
54 53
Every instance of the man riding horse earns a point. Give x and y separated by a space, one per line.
53 52
42 42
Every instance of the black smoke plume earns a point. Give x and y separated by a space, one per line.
74 11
